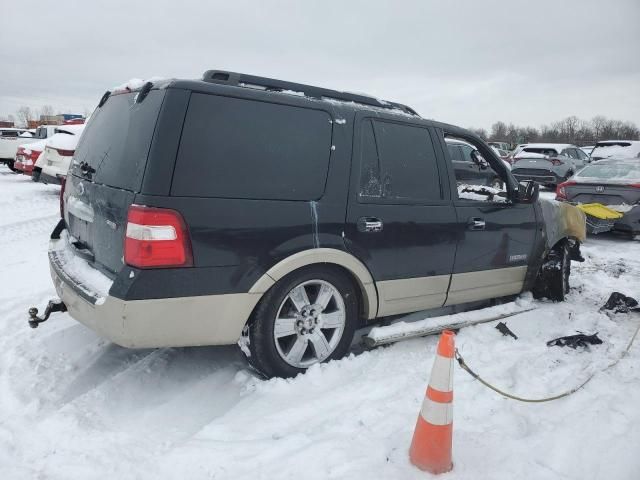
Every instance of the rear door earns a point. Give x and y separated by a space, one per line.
400 219
105 175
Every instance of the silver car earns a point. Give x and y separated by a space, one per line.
614 182
544 169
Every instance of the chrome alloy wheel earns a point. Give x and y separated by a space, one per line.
309 323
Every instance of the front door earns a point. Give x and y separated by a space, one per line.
495 238
400 219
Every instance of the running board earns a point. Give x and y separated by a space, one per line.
434 325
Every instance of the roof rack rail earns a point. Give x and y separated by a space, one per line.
272 85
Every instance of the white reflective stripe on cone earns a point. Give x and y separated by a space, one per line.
442 374
436 413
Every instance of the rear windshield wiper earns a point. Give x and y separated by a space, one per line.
87 170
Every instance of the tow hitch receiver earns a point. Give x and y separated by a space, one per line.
52 306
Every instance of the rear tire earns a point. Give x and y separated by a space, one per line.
553 278
286 334
10 165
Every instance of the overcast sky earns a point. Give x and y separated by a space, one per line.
465 62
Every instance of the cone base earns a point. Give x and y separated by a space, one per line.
431 447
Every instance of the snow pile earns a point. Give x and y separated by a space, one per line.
91 281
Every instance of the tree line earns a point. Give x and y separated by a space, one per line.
25 113
569 130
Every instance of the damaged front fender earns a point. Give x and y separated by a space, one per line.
562 220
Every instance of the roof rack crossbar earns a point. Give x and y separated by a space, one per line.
272 84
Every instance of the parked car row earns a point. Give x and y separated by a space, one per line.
45 153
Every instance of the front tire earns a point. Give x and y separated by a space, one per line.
308 317
553 279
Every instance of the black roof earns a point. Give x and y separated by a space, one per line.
273 85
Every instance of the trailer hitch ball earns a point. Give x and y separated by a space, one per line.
52 306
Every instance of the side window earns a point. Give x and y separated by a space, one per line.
398 163
237 148
370 185
481 183
454 152
581 155
570 152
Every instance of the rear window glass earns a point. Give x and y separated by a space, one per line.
398 164
542 151
236 148
116 141
622 171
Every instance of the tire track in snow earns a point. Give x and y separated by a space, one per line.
32 228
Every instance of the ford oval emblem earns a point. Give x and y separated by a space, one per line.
80 189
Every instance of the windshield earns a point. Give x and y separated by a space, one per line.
116 141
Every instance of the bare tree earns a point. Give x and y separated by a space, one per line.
24 115
498 131
47 111
481 132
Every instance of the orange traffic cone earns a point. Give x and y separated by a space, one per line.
431 445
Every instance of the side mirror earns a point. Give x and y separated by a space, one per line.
478 160
528 191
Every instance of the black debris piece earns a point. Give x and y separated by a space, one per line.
620 303
575 341
504 330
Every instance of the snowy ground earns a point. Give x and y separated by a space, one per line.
75 406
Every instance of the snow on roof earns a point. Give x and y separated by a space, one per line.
37 146
556 146
136 83
72 129
63 141
603 150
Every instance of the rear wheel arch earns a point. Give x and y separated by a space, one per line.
342 261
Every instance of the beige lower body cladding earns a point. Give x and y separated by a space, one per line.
167 322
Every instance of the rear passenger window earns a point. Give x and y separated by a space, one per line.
398 164
235 148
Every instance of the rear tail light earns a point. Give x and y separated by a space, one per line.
156 238
63 186
561 192
64 153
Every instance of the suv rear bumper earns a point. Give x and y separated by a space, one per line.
166 322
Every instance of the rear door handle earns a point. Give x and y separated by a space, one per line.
369 225
476 223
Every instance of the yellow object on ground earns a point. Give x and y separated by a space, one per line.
599 211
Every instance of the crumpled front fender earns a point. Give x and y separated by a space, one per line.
562 220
